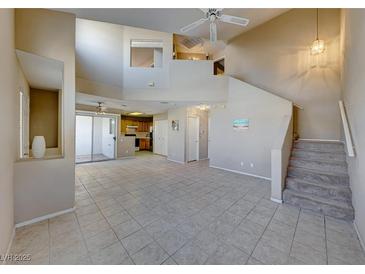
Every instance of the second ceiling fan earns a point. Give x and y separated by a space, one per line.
213 15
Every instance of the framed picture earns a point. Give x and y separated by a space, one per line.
175 125
240 124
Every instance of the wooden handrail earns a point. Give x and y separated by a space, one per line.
346 129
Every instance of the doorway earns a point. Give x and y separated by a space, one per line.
160 137
219 66
193 139
95 138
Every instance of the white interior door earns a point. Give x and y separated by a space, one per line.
160 137
108 137
84 132
193 138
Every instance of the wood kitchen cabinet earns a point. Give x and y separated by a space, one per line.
144 144
143 123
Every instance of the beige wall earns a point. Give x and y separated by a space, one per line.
51 187
43 116
177 138
228 148
203 130
8 75
353 92
275 57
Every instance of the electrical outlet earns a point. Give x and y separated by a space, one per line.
241 163
251 164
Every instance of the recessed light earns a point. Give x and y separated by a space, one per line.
135 113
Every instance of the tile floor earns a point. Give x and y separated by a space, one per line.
148 210
89 158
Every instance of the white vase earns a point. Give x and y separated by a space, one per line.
38 146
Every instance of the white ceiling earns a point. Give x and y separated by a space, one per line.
171 20
41 72
125 107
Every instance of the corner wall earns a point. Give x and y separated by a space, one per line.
275 56
8 122
353 93
48 186
177 139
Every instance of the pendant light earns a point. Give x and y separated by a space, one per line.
317 45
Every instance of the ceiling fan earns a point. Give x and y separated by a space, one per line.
101 108
213 15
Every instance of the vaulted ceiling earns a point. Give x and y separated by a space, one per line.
171 20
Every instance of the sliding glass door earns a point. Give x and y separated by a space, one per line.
95 138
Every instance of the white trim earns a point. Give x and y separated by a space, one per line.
175 161
9 245
320 140
346 130
45 217
219 59
362 242
240 172
276 200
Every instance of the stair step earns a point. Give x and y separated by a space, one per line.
318 176
319 146
335 192
319 155
328 207
335 168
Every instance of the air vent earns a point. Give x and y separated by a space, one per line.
191 42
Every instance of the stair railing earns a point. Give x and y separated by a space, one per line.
346 129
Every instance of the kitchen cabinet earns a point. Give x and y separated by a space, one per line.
144 144
143 125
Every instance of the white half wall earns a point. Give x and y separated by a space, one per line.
247 151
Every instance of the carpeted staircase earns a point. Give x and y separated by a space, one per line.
318 179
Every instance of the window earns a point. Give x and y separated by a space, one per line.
111 126
146 53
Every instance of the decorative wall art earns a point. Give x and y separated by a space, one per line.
175 125
240 124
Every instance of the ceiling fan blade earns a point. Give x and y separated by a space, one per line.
213 32
193 25
204 10
234 20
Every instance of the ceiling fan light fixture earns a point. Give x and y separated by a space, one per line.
213 15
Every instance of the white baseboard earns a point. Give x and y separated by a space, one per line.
45 217
240 172
9 244
175 161
320 140
362 242
276 200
